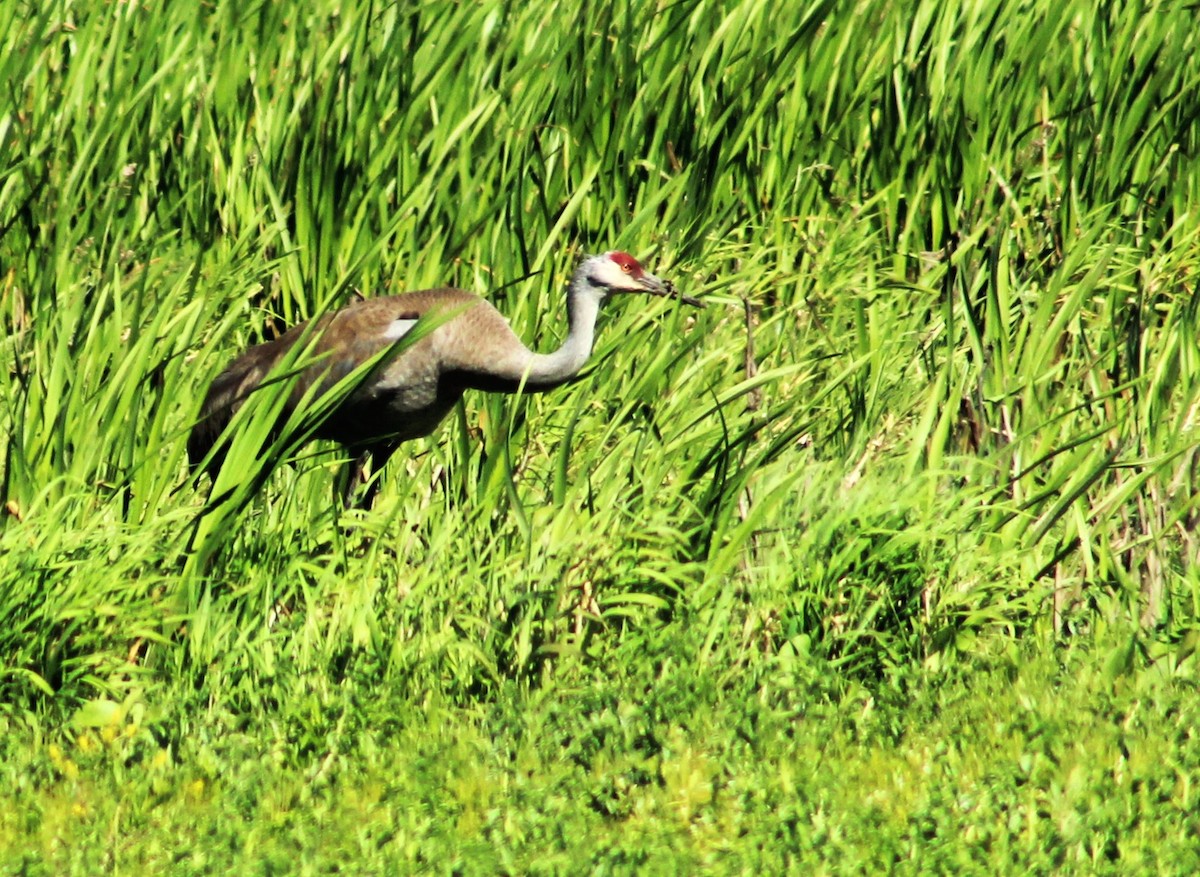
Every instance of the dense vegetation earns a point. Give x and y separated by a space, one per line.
883 561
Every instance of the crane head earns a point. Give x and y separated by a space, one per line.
616 271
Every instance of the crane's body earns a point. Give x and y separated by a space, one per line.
473 349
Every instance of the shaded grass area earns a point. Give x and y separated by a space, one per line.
1042 764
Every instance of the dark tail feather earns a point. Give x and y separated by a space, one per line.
226 394
215 413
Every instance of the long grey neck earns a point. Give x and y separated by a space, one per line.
542 371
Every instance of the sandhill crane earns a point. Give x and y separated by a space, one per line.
473 349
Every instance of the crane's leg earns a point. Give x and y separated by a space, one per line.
378 454
351 476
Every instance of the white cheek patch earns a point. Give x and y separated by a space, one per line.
397 329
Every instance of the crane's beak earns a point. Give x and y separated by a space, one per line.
658 286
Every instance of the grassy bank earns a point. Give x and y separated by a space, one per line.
1029 766
939 412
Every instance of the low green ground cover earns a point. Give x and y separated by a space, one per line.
649 765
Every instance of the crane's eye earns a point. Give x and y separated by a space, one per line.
625 268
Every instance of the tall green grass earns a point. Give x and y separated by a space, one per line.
945 388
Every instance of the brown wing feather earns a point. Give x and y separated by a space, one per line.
408 399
